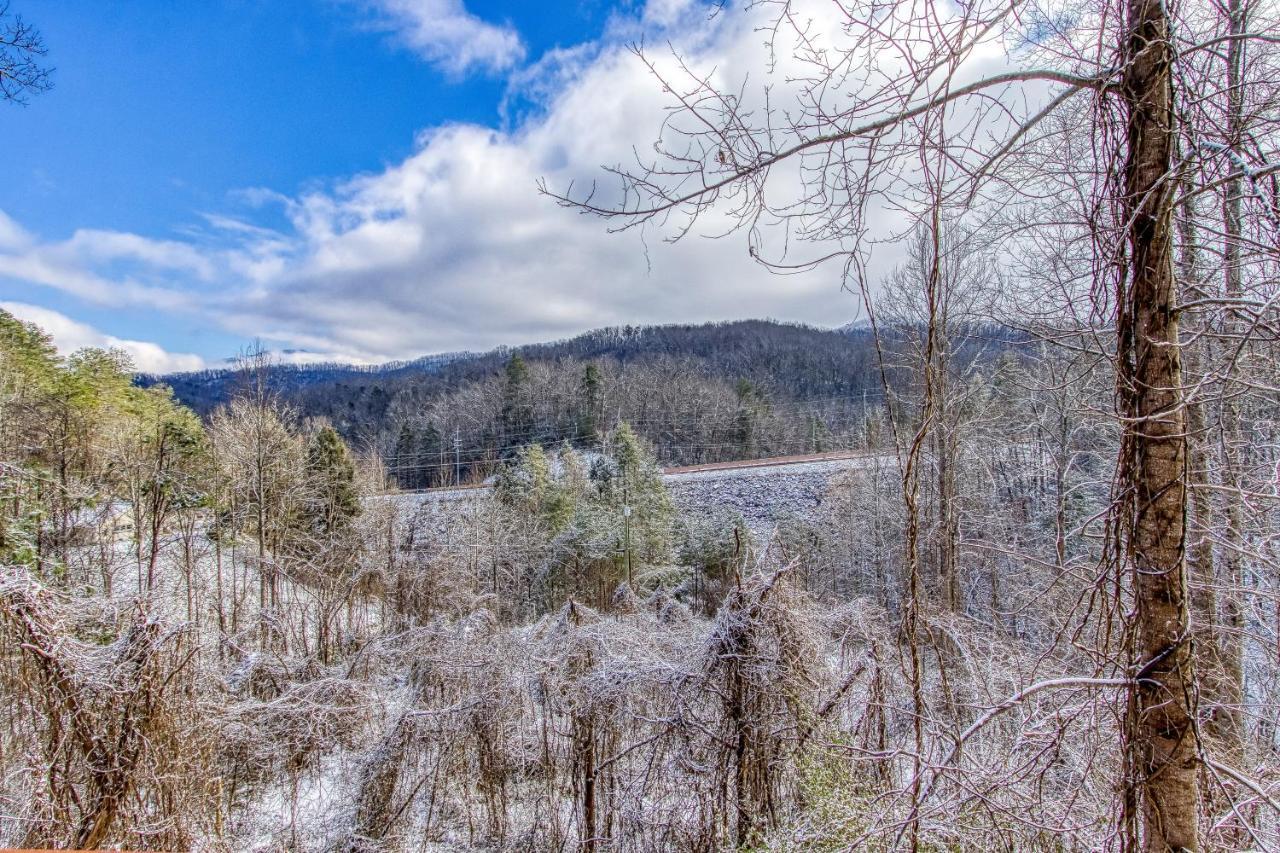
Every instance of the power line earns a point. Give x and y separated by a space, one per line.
799 444
555 432
494 454
869 396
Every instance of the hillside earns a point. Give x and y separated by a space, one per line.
808 361
698 393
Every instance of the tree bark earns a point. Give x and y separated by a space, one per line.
1162 748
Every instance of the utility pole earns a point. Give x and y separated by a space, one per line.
626 529
866 424
697 588
457 456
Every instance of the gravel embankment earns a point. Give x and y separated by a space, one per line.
762 495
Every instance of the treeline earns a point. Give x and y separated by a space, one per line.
799 362
92 462
779 392
688 416
706 393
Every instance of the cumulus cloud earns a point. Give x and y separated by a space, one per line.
69 335
107 267
453 248
445 34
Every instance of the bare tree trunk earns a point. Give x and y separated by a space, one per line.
1162 747
153 555
587 755
1202 568
1232 432
264 639
948 522
911 504
222 614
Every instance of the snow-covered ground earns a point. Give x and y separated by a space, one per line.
763 494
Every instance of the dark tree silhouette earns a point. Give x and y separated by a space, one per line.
23 72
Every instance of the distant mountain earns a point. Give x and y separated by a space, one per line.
205 390
804 361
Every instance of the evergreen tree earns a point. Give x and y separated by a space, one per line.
546 487
29 371
517 408
591 393
406 468
524 483
633 498
335 500
751 405
166 467
430 457
819 435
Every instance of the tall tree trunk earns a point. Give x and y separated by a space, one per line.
1232 432
1212 646
948 522
1162 748
222 613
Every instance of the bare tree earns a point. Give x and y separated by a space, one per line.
866 91
22 52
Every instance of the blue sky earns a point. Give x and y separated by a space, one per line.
351 179
162 108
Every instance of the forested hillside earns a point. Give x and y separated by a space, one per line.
797 362
705 393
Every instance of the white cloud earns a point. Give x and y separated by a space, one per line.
106 267
13 237
453 248
69 335
445 34
667 13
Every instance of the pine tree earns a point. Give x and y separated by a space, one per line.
517 410
335 501
167 466
590 392
635 493
430 457
406 469
750 406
